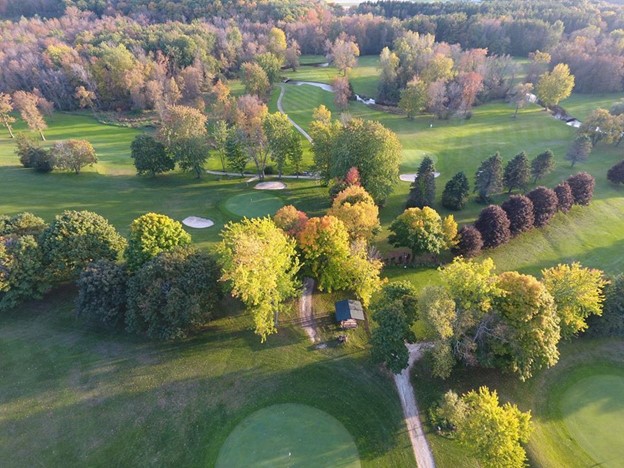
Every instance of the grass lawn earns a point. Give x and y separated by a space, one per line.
253 204
289 435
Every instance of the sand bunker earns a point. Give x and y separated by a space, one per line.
270 186
412 177
197 222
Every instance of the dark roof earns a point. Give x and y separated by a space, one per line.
349 309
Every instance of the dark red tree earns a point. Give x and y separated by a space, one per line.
582 186
565 200
519 210
616 173
493 224
544 205
469 242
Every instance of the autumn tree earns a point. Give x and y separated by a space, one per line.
520 212
469 242
544 205
414 97
272 66
290 220
388 87
324 132
456 192
277 42
517 172
422 190
602 126
493 224
565 199
255 79
6 107
219 132
283 140
151 234
553 87
362 272
423 231
260 265
343 53
357 210
291 55
580 150
578 293
489 178
27 105
615 174
181 123
342 92
582 187
519 98
542 165
251 112
150 156
73 155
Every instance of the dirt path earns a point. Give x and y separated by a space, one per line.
422 452
308 323
281 109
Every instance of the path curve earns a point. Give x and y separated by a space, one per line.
308 322
422 452
281 109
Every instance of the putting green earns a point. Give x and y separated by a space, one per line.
289 435
253 204
593 412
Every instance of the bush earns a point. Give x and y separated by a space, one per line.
616 173
22 224
102 294
565 200
611 323
456 192
469 242
493 224
172 294
73 155
77 238
23 146
544 205
41 160
152 234
519 210
582 186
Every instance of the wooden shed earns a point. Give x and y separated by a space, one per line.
348 312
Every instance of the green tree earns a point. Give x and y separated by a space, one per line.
553 87
149 156
151 234
456 192
542 165
422 190
578 293
437 310
517 172
191 154
102 297
260 264
489 178
580 150
414 97
282 139
76 238
388 338
423 231
255 79
271 64
220 133
362 273
324 133
402 291
357 210
22 224
235 154
600 125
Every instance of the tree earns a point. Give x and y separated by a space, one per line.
600 125
402 292
191 154
255 79
578 293
582 187
579 150
517 172
235 154
85 98
469 242
324 243
73 155
422 190
290 220
544 205
423 231
520 212
528 331
277 42
611 323
32 155
260 264
565 200
180 123
362 272
520 96
357 210
388 339
272 66
6 107
324 133
615 175
149 156
542 165
291 56
76 238
173 293
437 310
22 224
553 87
414 97
388 87
220 133
456 191
282 139
493 224
27 105
102 296
342 92
251 112
489 178
492 431
438 99
343 53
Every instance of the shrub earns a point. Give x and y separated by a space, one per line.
616 173
565 200
172 294
102 293
493 224
469 242
23 146
456 192
42 160
519 210
582 187
151 234
22 224
611 323
544 205
73 155
76 238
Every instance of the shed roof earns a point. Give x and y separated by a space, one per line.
349 309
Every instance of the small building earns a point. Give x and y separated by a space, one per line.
348 312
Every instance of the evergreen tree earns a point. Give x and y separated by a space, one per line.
456 192
422 191
517 172
542 165
580 150
489 178
469 242
582 187
565 199
616 173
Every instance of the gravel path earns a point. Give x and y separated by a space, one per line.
281 109
253 178
422 452
305 311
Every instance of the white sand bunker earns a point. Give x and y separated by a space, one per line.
270 186
197 222
412 177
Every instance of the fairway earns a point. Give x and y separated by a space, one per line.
253 204
593 413
289 435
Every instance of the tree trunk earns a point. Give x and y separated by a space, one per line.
8 126
42 136
516 113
